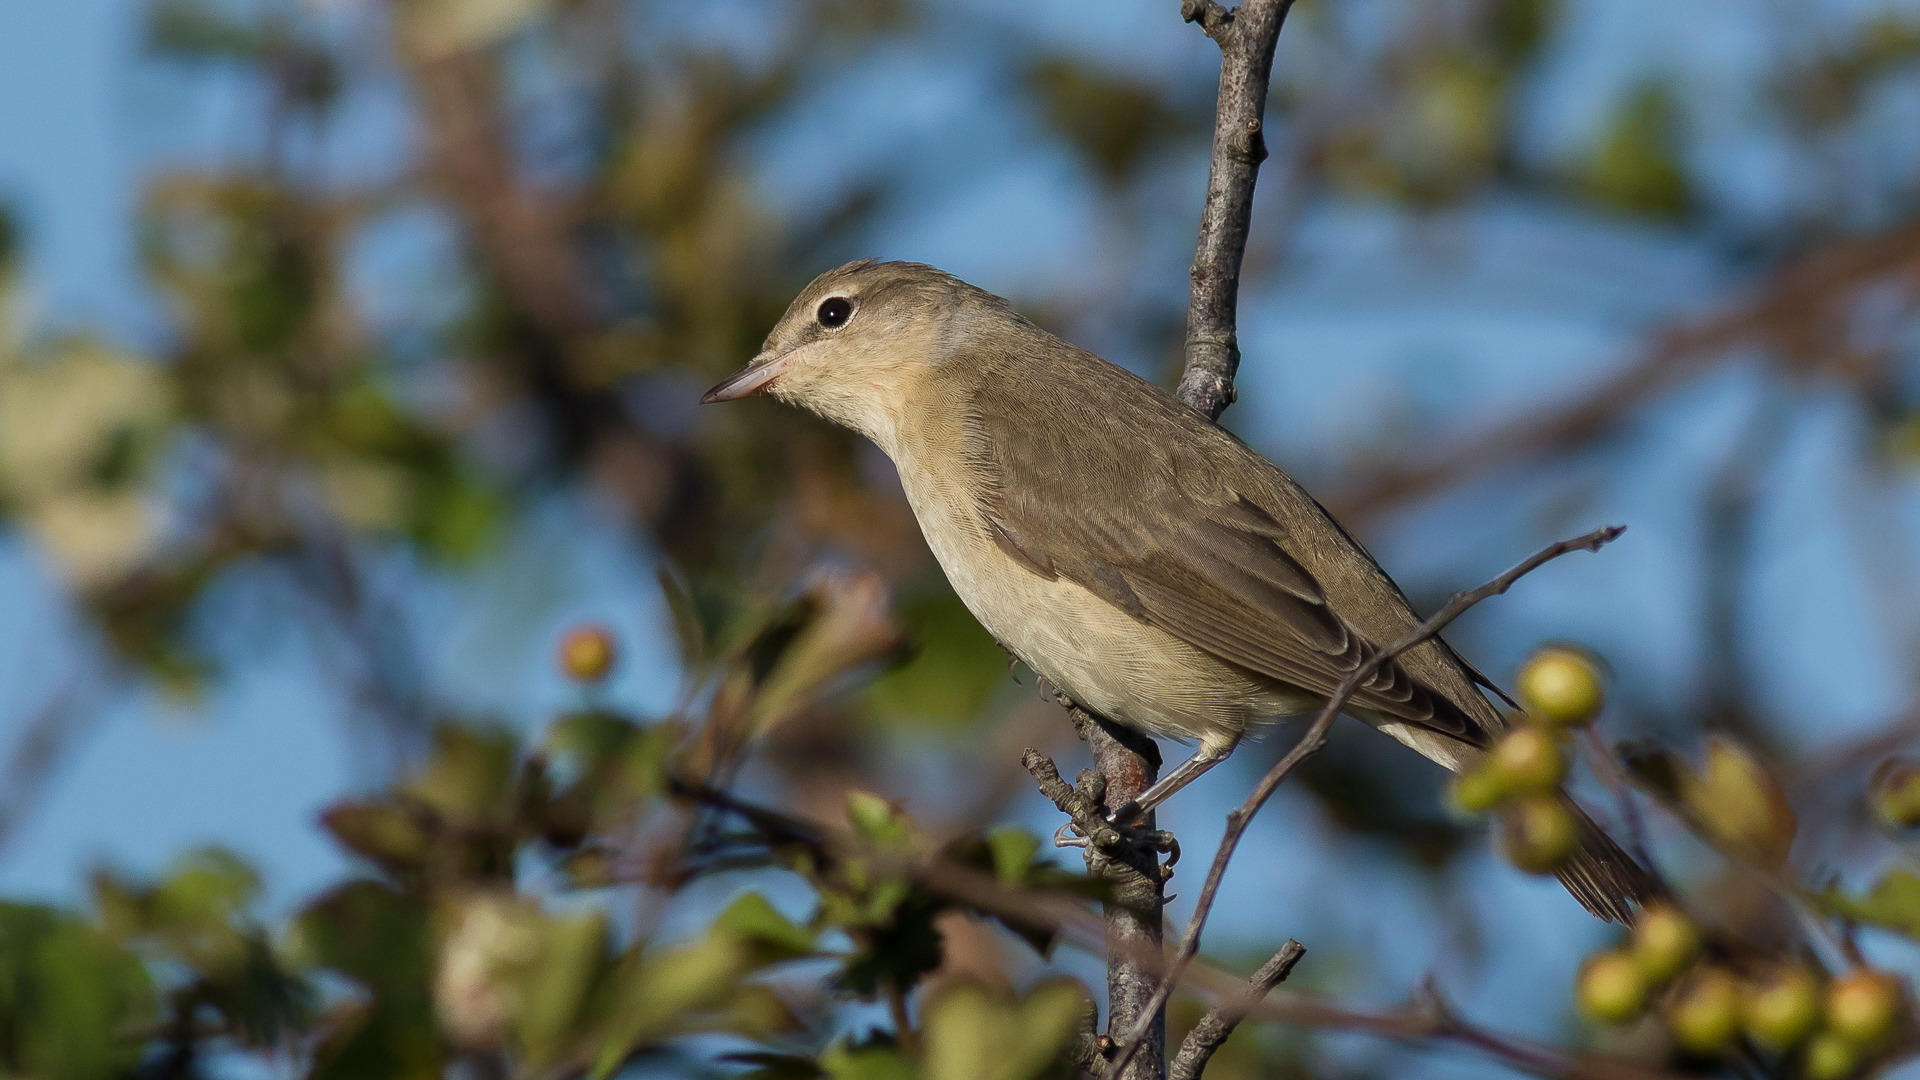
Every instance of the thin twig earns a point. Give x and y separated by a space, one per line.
1316 737
1215 1027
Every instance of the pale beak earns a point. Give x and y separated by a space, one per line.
748 381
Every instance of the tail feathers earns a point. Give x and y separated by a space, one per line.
1605 879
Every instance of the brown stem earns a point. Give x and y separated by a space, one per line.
1215 1027
1246 36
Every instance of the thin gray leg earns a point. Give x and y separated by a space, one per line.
1183 774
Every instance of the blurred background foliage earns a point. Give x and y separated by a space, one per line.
424 318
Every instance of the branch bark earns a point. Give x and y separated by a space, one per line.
1129 762
1214 1028
1246 36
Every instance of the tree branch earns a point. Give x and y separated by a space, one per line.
1247 36
1425 1019
1214 1028
1316 737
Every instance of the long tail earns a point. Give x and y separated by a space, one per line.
1606 880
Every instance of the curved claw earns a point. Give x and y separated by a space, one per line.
1165 844
1063 838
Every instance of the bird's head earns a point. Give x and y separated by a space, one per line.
858 343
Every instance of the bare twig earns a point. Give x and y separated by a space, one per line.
1316 737
1247 36
1213 1029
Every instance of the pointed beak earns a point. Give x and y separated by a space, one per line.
748 381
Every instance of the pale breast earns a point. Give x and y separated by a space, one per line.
1128 671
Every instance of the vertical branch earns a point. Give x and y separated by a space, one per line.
1130 762
1246 36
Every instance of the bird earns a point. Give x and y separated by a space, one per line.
1143 560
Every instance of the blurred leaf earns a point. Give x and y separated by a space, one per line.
1114 121
443 26
879 821
972 1035
198 30
651 993
899 942
845 1062
1013 854
1741 805
1734 802
69 998
953 671
776 1066
1516 29
752 919
557 983
1636 164
383 940
469 778
1893 903
756 1012
80 427
380 829
846 625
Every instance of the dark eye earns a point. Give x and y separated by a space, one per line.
834 312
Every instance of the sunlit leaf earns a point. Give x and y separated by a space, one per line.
70 998
973 1035
1894 903
774 937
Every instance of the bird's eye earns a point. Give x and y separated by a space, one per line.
834 312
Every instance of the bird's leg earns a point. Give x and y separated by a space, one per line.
1183 774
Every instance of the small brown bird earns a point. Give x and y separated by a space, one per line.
1147 563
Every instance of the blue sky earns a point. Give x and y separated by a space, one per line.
1380 325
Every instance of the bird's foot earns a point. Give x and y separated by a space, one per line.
1109 835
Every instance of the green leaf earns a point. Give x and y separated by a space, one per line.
753 919
652 993
68 997
842 1062
469 779
877 820
973 1035
389 834
1013 851
553 989
953 672
382 939
1894 903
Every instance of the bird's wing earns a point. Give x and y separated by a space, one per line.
1159 530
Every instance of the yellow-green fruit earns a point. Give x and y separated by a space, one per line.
1830 1057
1664 942
1537 833
1862 1006
1479 790
1704 1013
587 653
1528 759
1895 792
1782 1009
1610 988
1560 686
